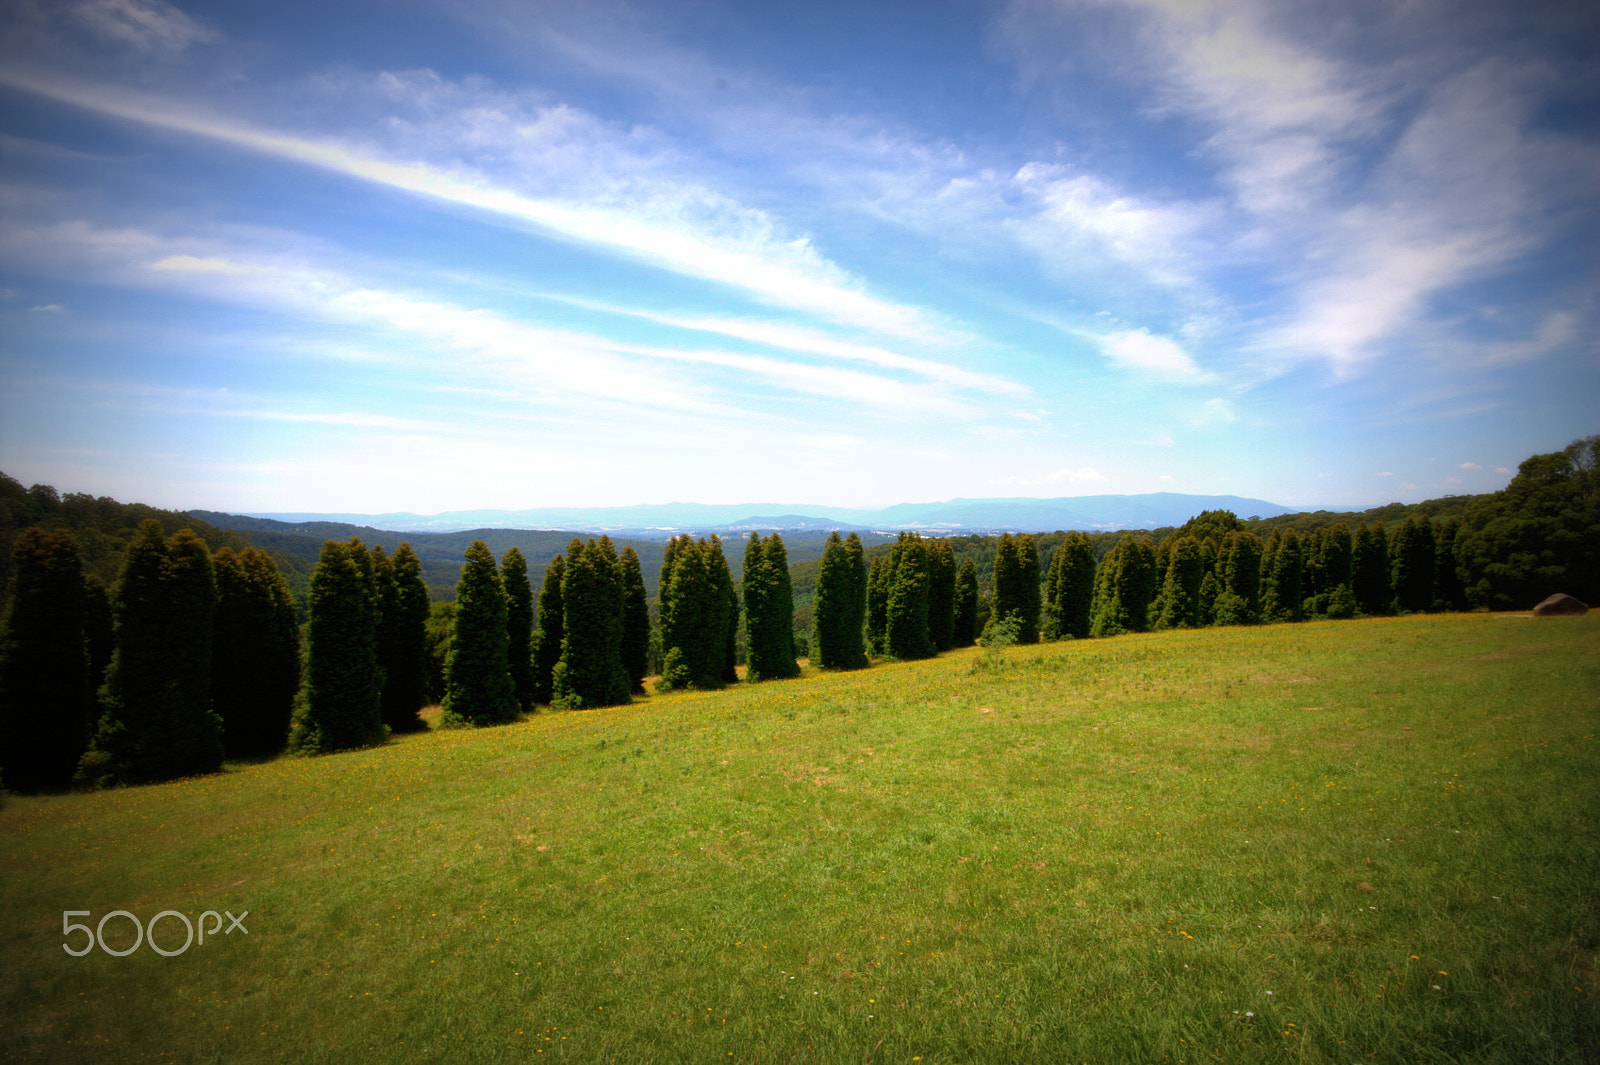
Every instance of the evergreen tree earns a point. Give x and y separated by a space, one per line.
856 554
837 614
694 617
1074 567
941 594
1178 605
964 627
1282 594
1332 572
906 613
635 621
46 684
99 633
1411 574
341 691
1016 584
519 625
404 607
1369 570
255 653
722 580
879 578
590 672
1239 577
156 721
478 686
552 629
1448 592
768 610
1124 588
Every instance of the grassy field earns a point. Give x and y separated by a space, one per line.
1334 842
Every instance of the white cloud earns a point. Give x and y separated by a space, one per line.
1468 466
1140 350
145 25
682 228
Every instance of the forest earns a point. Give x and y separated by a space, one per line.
142 645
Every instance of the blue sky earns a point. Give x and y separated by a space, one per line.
426 256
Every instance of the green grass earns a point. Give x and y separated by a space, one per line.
1345 842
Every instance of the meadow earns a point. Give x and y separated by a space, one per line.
1375 840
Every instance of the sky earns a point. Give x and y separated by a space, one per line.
430 255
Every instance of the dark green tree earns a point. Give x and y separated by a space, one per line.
1448 592
1177 606
99 632
906 613
942 594
1069 589
46 685
1328 571
768 610
340 705
255 653
694 617
519 625
1238 569
404 608
1411 566
590 672
635 621
1282 595
478 687
1016 584
156 721
722 578
1369 570
965 628
1125 584
552 629
839 606
879 578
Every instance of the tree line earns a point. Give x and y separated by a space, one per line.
195 655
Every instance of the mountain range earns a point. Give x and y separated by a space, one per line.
1103 513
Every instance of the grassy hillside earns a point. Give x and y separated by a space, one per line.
1330 842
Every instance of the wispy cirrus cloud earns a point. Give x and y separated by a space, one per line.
687 230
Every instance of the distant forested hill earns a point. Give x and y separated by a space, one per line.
103 528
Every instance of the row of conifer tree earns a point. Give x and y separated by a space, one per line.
196 656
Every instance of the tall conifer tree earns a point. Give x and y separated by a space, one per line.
1178 604
1411 573
519 625
906 628
255 656
879 578
157 721
590 672
839 606
1124 588
768 610
552 629
478 686
340 704
1369 570
46 688
404 606
942 594
964 627
635 620
1070 589
722 578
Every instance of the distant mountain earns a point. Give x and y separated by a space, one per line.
659 521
